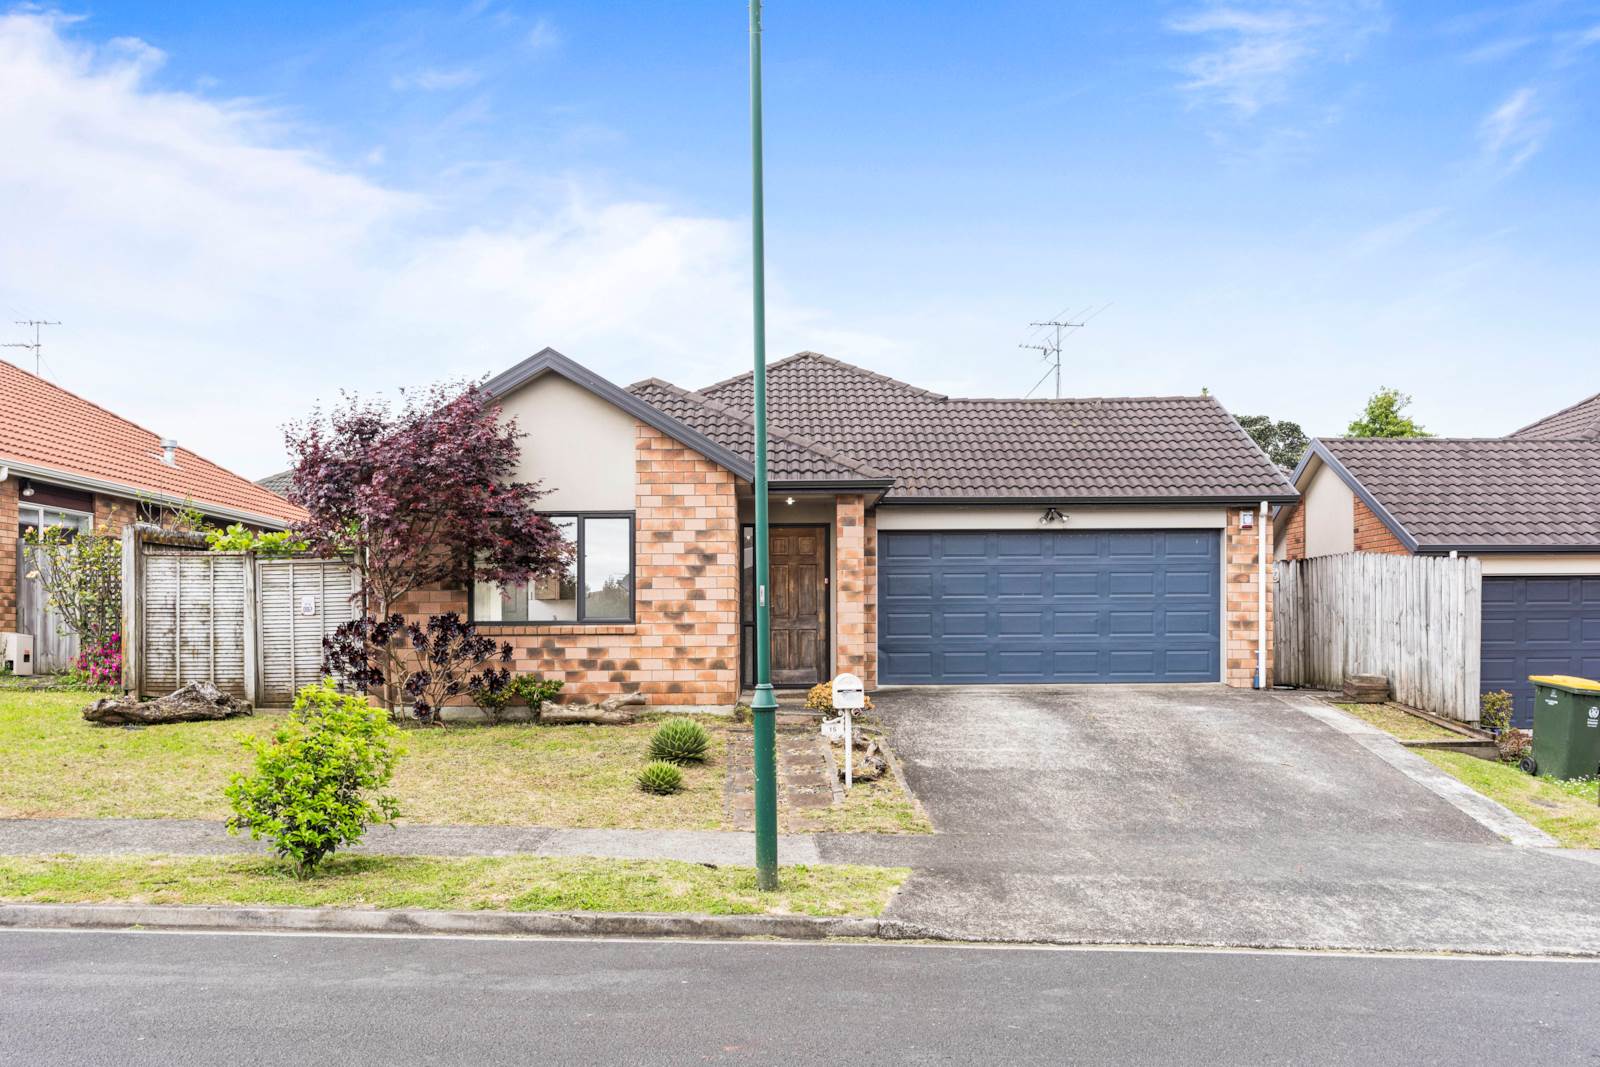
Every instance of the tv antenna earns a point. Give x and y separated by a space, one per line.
36 344
1050 346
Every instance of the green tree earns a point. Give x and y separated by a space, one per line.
1283 441
1385 417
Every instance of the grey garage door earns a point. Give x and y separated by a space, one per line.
1538 626
959 607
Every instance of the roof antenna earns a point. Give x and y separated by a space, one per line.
36 344
1051 347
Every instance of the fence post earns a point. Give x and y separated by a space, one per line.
252 658
132 609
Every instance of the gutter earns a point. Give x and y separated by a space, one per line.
1157 501
102 485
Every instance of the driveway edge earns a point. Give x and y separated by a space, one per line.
1488 813
215 917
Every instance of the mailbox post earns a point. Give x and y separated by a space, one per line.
849 697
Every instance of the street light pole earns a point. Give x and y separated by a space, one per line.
763 707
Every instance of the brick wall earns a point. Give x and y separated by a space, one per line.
1372 535
8 555
849 568
1242 584
869 673
684 647
1294 534
112 513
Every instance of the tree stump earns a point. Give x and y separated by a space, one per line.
195 702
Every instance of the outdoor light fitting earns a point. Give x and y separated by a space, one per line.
1051 516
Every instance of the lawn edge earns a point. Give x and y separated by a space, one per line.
228 917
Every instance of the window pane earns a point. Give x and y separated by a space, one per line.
556 599
607 569
492 602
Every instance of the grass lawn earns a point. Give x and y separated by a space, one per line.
53 764
1402 725
1567 811
877 807
523 883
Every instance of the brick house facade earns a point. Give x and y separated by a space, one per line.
1372 535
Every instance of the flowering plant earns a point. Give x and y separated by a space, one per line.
100 666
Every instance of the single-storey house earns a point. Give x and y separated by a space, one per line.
916 538
66 461
1526 505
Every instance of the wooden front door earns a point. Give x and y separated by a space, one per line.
799 572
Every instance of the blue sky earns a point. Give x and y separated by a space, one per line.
236 209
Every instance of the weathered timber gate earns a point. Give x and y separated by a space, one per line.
252 627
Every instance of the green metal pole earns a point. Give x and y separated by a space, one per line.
763 706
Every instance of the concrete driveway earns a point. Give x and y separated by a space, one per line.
1198 815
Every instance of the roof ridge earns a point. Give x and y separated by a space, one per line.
810 444
807 354
1508 440
1071 399
1594 430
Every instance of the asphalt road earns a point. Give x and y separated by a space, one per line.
174 999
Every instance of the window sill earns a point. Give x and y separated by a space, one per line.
554 629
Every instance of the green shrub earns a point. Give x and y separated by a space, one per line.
271 544
1494 711
1513 745
661 778
679 741
317 783
529 689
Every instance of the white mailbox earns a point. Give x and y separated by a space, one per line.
848 693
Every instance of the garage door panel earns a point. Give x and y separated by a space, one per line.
1051 606
1538 625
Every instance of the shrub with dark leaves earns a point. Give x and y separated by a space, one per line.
428 663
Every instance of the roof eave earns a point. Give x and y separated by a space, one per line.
1501 550
1034 500
549 361
92 484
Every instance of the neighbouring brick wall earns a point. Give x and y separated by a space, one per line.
8 555
1242 583
869 675
684 647
1294 535
849 568
112 513
1372 535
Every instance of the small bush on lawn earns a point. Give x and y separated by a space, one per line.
528 689
820 698
661 778
1513 745
679 741
1494 711
317 782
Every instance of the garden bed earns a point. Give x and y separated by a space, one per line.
520 883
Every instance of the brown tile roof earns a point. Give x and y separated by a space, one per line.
1522 493
790 457
45 426
938 447
1580 422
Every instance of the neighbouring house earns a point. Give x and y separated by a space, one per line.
915 538
1526 505
278 484
66 461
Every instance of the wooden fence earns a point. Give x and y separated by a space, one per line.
252 627
1414 619
54 647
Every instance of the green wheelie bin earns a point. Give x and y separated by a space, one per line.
1566 727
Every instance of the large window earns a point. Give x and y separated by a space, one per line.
43 516
597 586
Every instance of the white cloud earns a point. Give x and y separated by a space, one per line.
1514 130
214 278
1258 49
434 80
544 36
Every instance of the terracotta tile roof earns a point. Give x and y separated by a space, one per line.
790 457
1580 422
43 425
938 447
1491 492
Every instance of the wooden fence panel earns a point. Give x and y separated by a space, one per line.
192 621
1414 619
301 602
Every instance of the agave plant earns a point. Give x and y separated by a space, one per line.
661 778
679 741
